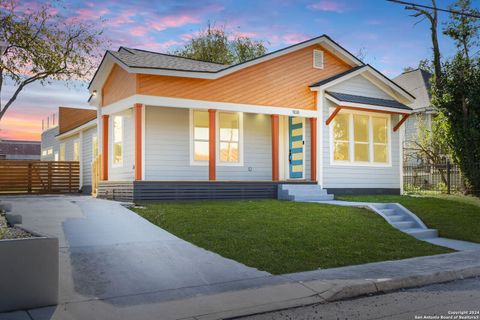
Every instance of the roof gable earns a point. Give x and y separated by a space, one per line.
145 62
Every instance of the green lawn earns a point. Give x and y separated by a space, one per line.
282 237
456 217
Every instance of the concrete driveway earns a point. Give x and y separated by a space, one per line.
108 252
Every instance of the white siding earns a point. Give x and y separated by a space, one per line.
167 148
125 172
359 85
49 139
342 176
87 155
69 146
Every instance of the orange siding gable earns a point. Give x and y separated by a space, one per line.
281 82
71 118
119 85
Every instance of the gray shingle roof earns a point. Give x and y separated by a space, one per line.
136 58
337 76
368 100
418 83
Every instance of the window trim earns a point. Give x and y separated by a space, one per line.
94 137
73 150
351 162
113 163
60 147
194 162
240 141
322 53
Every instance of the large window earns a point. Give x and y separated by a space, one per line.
229 137
360 138
62 152
94 147
117 154
200 135
76 150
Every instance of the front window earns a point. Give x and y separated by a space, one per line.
117 140
62 152
94 147
229 137
360 138
200 135
76 150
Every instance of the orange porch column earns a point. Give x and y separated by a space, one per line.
105 147
212 175
313 148
275 143
138 141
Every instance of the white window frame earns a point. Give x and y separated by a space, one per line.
62 146
73 150
194 162
315 51
112 146
94 137
240 141
351 161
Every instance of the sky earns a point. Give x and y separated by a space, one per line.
384 32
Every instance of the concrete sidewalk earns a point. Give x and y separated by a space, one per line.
321 286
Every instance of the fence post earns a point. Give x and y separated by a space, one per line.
29 184
49 178
70 177
448 177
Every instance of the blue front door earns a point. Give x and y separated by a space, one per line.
295 156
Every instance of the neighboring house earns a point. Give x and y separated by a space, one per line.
176 128
19 150
73 139
418 83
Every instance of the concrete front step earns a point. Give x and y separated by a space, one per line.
421 233
404 225
326 197
396 218
388 212
303 192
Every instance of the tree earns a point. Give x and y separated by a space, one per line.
432 16
433 142
463 29
39 46
214 45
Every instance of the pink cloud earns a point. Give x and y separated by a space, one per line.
293 38
138 31
161 46
122 18
327 5
174 21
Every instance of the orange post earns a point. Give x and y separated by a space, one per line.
138 141
313 148
275 143
105 147
211 145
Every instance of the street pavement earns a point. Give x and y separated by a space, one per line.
419 303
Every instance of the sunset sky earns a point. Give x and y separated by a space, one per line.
383 30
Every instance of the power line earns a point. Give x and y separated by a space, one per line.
468 14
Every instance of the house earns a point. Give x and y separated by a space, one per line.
73 138
19 150
418 83
169 127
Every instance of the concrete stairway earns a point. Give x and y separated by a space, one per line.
404 220
303 192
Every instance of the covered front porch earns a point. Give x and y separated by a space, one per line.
153 152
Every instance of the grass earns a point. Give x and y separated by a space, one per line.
283 237
455 217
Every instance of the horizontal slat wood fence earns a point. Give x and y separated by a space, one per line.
18 176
